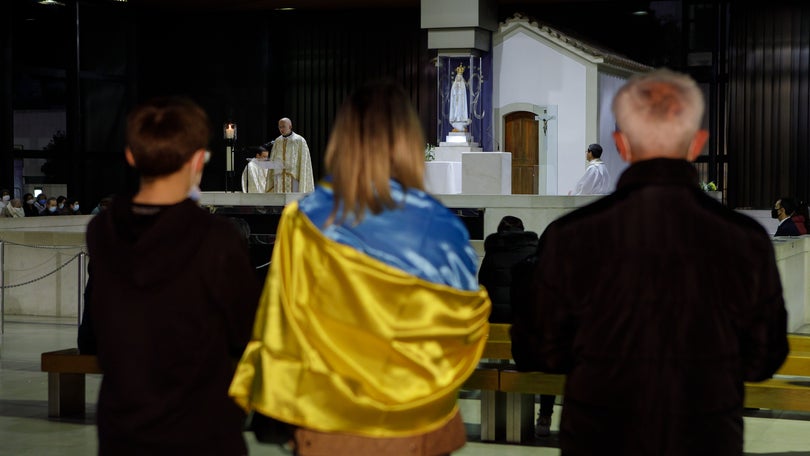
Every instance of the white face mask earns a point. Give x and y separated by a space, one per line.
194 191
76 207
6 198
61 206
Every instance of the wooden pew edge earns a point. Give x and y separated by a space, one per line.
69 361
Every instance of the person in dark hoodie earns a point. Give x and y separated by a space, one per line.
506 273
172 299
502 251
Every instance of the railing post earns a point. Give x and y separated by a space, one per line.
82 282
2 288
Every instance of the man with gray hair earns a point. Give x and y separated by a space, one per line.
656 301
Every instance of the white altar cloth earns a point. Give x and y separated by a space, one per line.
443 177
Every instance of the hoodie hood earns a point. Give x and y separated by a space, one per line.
510 240
119 239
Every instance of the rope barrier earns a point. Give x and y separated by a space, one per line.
28 282
47 247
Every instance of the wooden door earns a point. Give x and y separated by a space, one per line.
521 137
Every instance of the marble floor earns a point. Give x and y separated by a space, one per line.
25 428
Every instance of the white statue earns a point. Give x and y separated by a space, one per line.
459 118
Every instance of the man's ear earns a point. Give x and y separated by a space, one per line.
199 164
623 146
696 146
130 158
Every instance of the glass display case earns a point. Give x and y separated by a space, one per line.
464 97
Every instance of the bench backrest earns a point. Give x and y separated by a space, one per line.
499 346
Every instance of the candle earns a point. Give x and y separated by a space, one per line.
229 160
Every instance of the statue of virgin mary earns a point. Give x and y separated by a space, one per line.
459 118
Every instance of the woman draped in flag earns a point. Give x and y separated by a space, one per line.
371 317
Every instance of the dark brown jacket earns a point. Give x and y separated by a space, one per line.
172 302
657 302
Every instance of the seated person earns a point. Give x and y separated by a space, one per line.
51 207
254 177
61 205
5 197
14 209
783 210
503 250
102 205
40 202
73 207
29 207
801 217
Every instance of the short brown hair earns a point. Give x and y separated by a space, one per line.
376 137
163 133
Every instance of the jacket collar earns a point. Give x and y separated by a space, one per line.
659 171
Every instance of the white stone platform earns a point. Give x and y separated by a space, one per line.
456 143
486 173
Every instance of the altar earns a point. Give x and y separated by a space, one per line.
443 177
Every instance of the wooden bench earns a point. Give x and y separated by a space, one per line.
509 409
790 387
507 396
66 370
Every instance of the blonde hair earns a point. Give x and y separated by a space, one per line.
376 137
659 112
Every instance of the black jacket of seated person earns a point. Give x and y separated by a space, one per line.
171 306
502 251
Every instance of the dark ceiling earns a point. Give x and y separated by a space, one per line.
652 39
233 5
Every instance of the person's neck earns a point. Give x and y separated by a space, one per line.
287 135
163 190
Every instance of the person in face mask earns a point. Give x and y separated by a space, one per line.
172 296
51 207
195 193
73 208
29 207
14 209
5 197
40 203
783 210
61 205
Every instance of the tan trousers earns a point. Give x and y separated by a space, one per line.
442 441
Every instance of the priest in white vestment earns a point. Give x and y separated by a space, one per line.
596 180
254 177
290 149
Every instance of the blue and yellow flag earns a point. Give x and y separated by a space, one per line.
345 343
